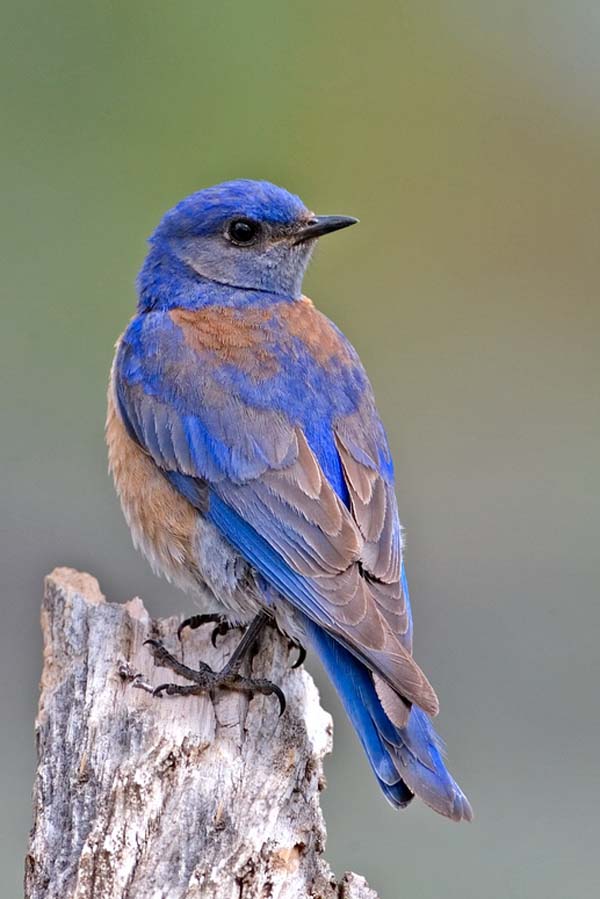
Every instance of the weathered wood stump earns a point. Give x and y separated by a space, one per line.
138 797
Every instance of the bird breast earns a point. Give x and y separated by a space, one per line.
177 540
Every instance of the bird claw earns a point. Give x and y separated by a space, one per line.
274 689
293 644
196 621
221 630
223 626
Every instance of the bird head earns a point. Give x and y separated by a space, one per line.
247 234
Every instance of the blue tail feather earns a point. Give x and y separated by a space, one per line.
405 761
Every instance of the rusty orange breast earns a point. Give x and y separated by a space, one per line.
162 523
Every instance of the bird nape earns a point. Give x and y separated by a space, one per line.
252 467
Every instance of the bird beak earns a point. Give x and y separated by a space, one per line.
323 224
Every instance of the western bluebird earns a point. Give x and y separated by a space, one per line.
252 467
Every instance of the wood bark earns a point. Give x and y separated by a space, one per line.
138 797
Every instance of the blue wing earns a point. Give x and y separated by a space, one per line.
300 481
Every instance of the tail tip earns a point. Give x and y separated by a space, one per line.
462 809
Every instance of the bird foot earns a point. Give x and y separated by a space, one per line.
204 679
223 627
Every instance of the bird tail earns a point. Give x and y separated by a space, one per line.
406 761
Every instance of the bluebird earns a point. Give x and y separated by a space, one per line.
253 469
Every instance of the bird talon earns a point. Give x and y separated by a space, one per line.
274 690
268 688
196 621
301 653
281 697
221 630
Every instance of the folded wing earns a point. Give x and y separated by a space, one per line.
334 552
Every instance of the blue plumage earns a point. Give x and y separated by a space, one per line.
405 761
257 410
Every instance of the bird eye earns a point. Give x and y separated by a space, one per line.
243 231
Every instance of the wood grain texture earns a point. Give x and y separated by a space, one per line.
172 798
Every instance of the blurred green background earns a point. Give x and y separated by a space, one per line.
466 137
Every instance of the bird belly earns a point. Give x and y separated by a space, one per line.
177 540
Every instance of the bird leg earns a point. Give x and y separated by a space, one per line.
204 679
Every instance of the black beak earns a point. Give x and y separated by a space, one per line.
323 224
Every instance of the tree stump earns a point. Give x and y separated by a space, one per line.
138 797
